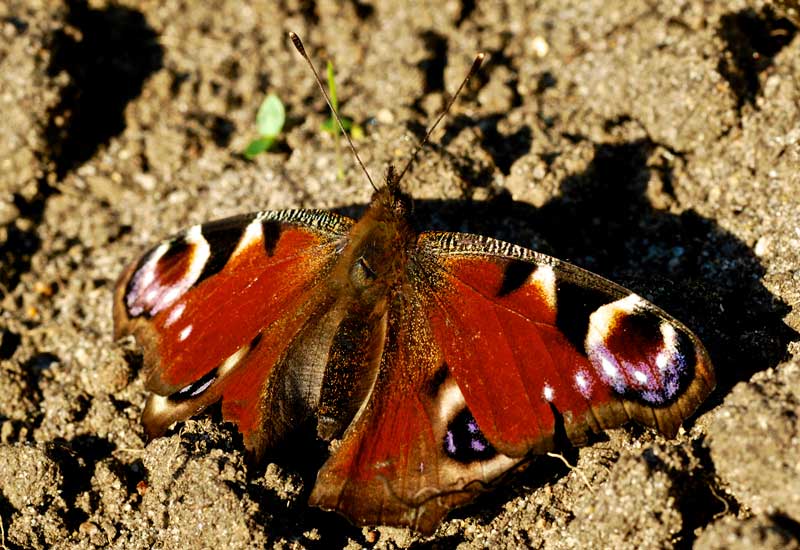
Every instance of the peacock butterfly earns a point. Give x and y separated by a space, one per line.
439 361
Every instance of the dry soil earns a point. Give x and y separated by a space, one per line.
656 143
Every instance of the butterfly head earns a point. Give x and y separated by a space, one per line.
390 202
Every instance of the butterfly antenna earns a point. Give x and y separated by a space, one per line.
474 69
298 44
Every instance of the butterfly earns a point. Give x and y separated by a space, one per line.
437 361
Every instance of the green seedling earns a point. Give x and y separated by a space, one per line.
269 122
331 127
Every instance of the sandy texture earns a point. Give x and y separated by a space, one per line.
658 146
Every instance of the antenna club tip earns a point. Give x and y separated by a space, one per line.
480 56
298 44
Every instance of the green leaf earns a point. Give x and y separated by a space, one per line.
271 117
330 126
258 146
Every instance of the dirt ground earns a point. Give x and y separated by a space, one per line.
657 145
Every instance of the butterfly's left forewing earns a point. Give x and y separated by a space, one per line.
217 307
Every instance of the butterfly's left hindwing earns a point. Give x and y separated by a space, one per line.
392 466
219 297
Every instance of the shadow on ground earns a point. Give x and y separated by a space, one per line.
108 54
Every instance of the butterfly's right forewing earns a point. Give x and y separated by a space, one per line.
539 346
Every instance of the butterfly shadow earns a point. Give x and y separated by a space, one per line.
303 454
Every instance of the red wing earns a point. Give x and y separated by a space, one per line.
537 345
200 303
